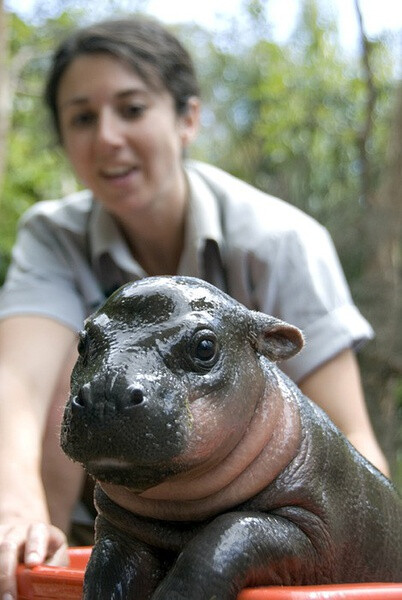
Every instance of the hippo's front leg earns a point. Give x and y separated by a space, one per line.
238 550
120 568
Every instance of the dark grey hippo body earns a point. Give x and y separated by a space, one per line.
214 472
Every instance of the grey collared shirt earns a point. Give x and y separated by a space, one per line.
70 255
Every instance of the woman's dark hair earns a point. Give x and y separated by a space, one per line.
143 44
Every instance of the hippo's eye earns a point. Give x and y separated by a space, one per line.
204 349
83 346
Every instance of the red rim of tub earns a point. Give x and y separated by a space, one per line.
65 583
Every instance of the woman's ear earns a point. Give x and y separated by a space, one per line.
189 121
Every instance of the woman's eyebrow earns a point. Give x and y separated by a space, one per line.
79 100
74 101
132 92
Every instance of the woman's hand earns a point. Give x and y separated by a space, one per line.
24 541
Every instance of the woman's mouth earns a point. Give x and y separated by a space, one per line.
120 176
118 172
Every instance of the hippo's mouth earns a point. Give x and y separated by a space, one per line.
109 463
134 476
110 469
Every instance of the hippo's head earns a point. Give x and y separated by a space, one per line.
167 380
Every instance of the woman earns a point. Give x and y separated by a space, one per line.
125 103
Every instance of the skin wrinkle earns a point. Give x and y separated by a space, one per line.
258 474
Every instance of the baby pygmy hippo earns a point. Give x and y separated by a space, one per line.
213 471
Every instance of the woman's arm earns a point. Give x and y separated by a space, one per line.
336 387
33 351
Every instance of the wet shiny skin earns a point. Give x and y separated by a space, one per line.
214 471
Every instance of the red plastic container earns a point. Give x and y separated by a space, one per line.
47 583
65 583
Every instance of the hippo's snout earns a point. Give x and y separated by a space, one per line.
118 419
115 397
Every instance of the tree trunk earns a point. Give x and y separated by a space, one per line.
5 99
380 287
382 294
371 99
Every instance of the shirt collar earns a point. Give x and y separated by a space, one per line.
203 218
106 238
203 224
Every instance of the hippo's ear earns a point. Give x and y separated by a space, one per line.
274 338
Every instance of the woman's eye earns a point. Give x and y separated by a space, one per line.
83 120
133 111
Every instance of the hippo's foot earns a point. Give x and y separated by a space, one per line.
237 550
120 568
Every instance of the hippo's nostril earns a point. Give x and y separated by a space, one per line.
136 397
81 400
76 403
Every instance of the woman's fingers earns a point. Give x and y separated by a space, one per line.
31 543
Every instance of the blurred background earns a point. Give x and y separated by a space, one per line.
302 98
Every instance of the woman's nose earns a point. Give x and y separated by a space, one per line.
109 131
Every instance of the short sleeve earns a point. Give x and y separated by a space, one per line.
45 274
307 288
281 261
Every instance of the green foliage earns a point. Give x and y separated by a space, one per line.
35 169
285 117
289 119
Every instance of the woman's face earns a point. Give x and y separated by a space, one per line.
123 139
